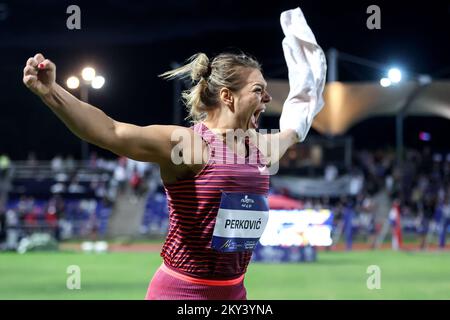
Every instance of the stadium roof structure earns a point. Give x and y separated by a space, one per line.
349 103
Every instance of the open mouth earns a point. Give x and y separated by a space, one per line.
254 120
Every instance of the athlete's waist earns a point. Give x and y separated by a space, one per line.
200 280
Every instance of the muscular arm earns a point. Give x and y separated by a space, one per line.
151 143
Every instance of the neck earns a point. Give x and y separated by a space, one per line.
221 119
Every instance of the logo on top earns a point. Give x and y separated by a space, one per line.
247 202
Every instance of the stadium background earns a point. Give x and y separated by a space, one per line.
130 43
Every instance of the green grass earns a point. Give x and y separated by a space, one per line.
336 275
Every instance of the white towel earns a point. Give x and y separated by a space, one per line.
307 72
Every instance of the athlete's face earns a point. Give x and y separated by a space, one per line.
250 101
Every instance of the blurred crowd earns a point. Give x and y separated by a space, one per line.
123 172
420 185
74 199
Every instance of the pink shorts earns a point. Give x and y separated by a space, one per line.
168 284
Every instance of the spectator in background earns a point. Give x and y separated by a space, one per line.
69 164
54 212
75 186
31 217
356 182
25 205
93 224
331 172
120 176
366 208
57 164
12 231
99 187
135 184
429 208
57 188
153 180
87 211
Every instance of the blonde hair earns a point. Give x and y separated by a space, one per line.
207 78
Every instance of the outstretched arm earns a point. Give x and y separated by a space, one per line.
152 143
307 68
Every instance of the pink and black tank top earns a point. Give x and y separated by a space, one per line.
226 180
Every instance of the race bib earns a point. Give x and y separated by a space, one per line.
240 222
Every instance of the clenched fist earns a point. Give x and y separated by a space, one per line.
39 75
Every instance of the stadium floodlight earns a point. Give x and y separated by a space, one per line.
395 75
98 82
88 73
385 82
73 82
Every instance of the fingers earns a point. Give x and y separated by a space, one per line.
36 63
29 80
30 70
32 62
46 65
39 74
30 73
39 58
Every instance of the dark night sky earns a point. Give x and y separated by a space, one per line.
131 42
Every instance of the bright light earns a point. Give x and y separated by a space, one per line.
395 75
73 82
88 73
98 82
385 82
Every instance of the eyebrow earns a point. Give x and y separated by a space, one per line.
260 84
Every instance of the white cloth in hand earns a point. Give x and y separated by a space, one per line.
307 72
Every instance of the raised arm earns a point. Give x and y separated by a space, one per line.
151 143
307 72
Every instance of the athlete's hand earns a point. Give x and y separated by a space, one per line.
39 75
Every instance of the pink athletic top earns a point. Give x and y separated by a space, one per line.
194 204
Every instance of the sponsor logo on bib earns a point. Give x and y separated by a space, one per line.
247 202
